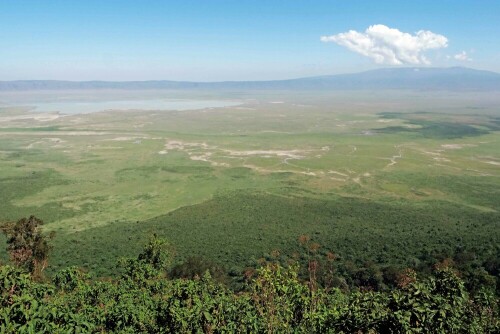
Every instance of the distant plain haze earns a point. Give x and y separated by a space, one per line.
220 40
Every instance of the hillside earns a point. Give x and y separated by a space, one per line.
452 79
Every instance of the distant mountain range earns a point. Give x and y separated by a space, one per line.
418 78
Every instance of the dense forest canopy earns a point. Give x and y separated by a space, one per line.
151 296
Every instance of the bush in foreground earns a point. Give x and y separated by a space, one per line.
145 300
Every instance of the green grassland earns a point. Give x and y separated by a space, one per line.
369 176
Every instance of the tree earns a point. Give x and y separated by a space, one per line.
28 248
151 263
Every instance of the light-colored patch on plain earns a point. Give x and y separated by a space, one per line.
456 146
219 164
30 146
273 131
141 125
431 153
491 162
266 170
441 159
97 147
203 157
54 140
394 158
193 150
181 146
126 138
292 154
338 173
37 117
411 126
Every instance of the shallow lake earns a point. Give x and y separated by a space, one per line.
85 107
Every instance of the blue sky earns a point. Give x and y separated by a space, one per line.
212 40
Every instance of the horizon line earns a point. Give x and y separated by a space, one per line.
240 81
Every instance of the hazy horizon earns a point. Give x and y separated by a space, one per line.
271 79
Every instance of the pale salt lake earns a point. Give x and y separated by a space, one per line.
85 107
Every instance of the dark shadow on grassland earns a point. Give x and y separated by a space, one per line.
496 121
33 129
32 182
436 130
236 229
440 126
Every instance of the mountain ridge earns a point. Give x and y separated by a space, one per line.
410 78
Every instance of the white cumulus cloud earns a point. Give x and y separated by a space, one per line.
462 56
388 45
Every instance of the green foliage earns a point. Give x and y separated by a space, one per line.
280 298
370 240
276 301
70 279
151 263
435 306
196 266
199 305
27 246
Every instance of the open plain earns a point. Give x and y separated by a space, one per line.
379 176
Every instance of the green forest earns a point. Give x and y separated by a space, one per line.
327 212
152 295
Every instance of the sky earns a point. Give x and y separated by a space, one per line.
218 40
